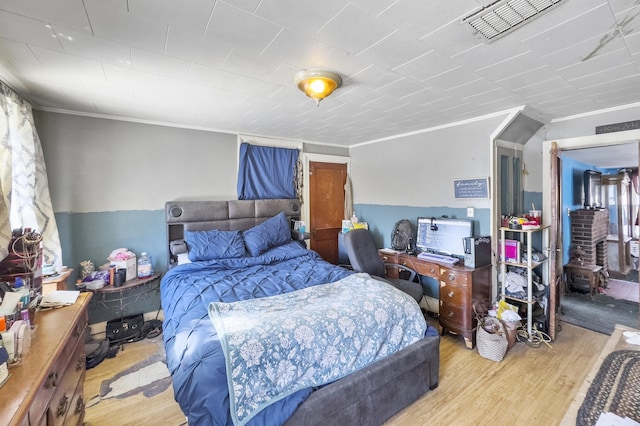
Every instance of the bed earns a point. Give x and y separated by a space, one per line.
215 279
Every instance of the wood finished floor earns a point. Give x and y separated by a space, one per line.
531 386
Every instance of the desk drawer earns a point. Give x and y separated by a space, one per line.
455 318
454 294
427 268
454 277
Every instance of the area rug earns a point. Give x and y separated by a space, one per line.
615 389
600 314
149 377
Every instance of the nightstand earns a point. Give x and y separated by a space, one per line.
135 296
56 282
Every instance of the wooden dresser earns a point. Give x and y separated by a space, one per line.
459 288
46 386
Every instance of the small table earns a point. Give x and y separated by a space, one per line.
592 272
56 282
136 296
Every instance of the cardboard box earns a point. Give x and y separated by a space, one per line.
130 265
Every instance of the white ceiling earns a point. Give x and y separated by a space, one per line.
229 65
618 156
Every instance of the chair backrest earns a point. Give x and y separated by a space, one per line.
362 252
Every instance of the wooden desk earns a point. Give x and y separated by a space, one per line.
460 288
56 282
46 386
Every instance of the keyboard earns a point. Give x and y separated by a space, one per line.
438 258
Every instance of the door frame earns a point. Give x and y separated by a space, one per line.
319 158
591 141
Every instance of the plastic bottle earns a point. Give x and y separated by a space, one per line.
354 218
145 266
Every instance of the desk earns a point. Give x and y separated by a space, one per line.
56 282
460 287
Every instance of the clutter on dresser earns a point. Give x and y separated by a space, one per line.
24 260
4 370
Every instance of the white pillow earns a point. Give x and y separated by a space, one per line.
183 258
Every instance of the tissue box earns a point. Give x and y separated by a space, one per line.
130 265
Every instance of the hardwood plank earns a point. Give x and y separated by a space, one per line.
529 386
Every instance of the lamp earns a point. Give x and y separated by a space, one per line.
318 84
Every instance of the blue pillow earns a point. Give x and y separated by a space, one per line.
271 233
214 244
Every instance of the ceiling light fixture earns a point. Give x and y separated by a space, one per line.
318 84
504 16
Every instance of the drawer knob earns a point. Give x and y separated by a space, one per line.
79 405
385 258
450 314
433 271
82 360
52 380
62 405
451 293
452 277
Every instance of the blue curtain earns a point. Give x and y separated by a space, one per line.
266 172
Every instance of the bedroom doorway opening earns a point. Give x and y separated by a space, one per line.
553 190
326 207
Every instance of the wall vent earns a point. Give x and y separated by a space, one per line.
504 16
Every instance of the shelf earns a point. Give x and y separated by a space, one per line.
523 265
533 301
525 237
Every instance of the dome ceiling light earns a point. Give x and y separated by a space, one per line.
318 84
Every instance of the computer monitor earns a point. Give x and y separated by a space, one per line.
443 236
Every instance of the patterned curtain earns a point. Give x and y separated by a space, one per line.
24 187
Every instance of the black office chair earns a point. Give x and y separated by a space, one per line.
363 255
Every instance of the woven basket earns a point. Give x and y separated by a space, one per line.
491 345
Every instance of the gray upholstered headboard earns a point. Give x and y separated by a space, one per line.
222 215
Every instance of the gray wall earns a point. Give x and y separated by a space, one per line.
109 180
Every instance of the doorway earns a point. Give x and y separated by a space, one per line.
617 300
326 199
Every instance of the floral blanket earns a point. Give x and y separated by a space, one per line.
274 346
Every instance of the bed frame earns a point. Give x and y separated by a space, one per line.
367 397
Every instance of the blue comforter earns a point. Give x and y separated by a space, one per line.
194 354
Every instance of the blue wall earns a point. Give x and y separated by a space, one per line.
572 197
381 220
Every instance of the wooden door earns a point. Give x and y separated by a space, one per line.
555 241
326 207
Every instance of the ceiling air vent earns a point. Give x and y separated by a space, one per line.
504 16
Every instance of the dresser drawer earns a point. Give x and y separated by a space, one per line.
453 277
455 318
70 363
